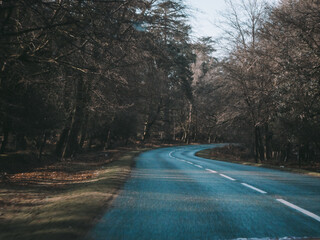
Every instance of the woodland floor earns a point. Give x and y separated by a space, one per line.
61 200
241 155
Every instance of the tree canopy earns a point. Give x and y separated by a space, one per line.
81 74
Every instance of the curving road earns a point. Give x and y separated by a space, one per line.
173 194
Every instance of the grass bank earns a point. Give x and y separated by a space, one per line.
239 155
63 200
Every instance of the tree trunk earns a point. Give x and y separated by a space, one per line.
259 148
146 130
84 131
149 122
42 145
62 141
174 130
195 128
166 126
288 151
108 142
72 144
21 143
5 140
184 136
268 142
256 145
188 132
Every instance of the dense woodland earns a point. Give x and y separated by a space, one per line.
76 75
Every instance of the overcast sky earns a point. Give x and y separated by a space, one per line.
205 14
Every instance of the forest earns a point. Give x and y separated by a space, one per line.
79 75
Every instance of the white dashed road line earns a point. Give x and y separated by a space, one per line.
198 166
306 212
254 188
225 176
209 170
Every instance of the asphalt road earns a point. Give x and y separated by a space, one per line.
173 194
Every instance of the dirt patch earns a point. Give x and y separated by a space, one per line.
62 200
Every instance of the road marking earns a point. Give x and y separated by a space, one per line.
254 188
198 166
189 162
306 212
209 170
170 154
225 176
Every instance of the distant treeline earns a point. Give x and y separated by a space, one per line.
266 92
82 74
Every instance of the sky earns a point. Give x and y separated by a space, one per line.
205 15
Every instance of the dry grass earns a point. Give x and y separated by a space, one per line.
62 201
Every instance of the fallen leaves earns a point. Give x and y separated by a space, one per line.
81 169
21 192
51 177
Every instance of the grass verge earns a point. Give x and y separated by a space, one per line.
62 201
233 156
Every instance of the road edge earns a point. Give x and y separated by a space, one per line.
205 154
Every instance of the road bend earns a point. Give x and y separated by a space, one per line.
172 194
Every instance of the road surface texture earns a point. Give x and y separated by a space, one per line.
172 194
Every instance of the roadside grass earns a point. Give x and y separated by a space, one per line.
67 205
233 156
